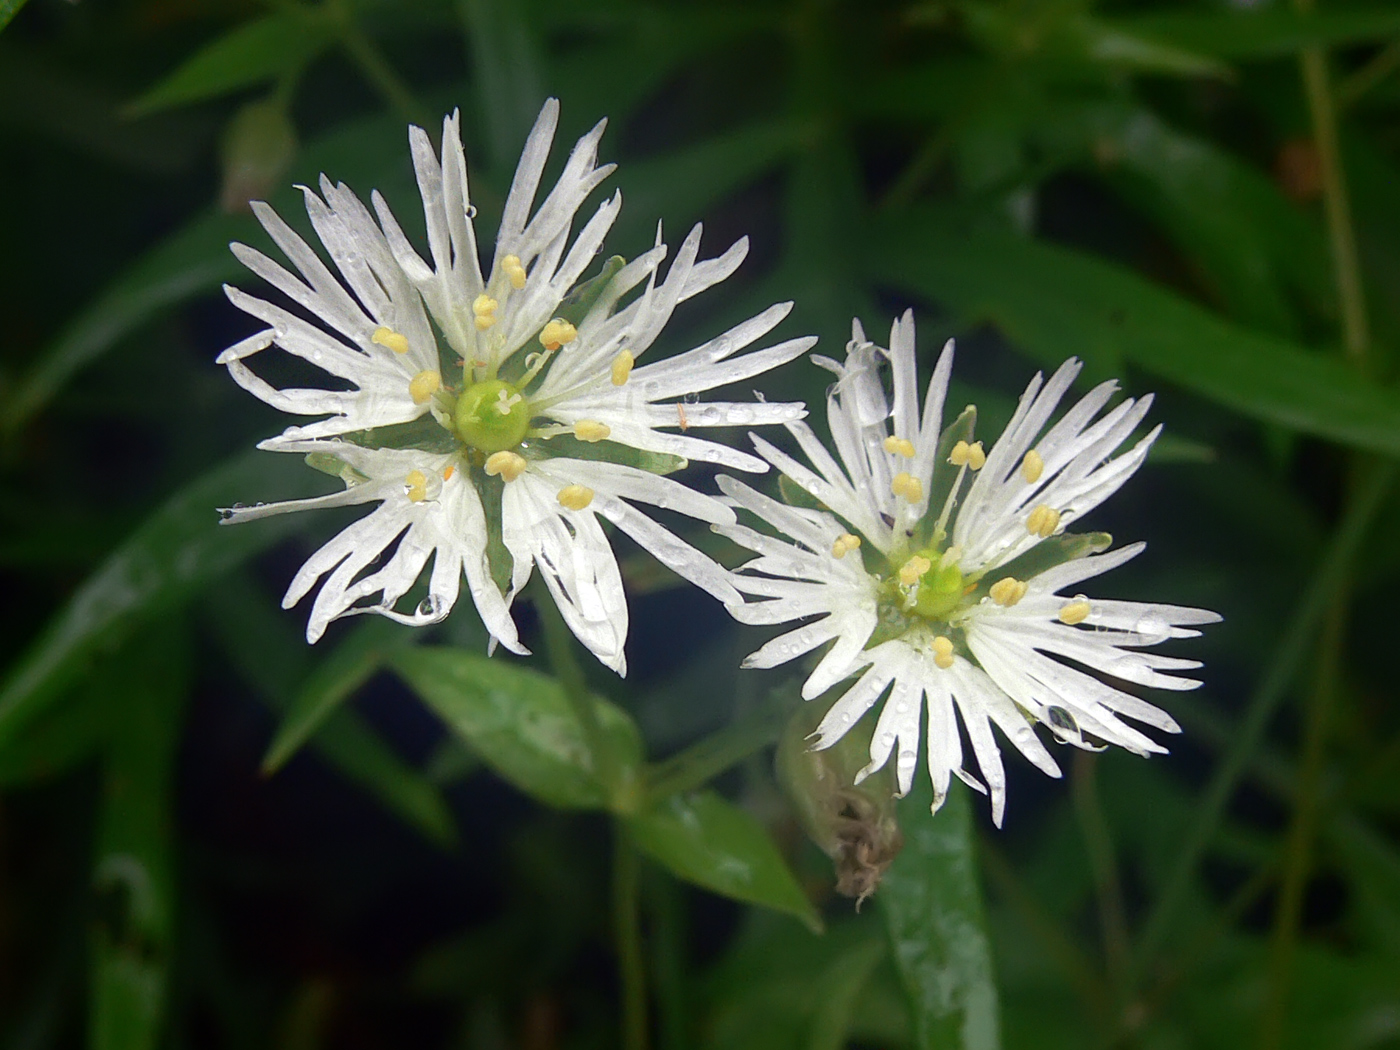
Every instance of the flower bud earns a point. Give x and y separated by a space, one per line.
854 824
258 145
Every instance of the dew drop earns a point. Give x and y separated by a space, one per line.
471 211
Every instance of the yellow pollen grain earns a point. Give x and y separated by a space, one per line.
417 483
510 264
1007 591
908 486
914 568
1075 612
845 543
943 652
447 474
557 333
484 308
390 338
508 465
622 367
575 497
1043 521
1032 467
591 430
901 446
423 386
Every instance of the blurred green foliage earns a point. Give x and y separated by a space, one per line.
213 835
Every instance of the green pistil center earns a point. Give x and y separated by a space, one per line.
491 416
940 591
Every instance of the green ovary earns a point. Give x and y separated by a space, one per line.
940 592
491 416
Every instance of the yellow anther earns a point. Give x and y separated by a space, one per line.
1032 466
417 484
423 386
484 308
913 569
1007 591
447 474
943 652
958 457
901 446
390 338
908 486
575 497
509 465
622 367
976 458
1043 521
510 265
1075 612
845 543
557 333
591 430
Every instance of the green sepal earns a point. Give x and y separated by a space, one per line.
794 495
575 306
336 467
1068 546
491 489
570 447
944 474
424 434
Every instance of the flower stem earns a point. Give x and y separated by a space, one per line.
627 932
1341 233
1098 844
372 63
1297 643
1323 697
704 760
558 642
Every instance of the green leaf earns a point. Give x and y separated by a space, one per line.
256 51
1056 302
932 905
8 10
59 739
132 879
520 724
713 843
334 680
1270 33
683 185
277 663
196 259
506 57
177 551
192 261
1254 246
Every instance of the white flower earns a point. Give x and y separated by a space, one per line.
494 418
942 572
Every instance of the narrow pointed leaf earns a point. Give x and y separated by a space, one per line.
520 723
254 52
8 10
713 843
133 881
177 551
352 663
1056 302
1279 30
932 905
269 654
